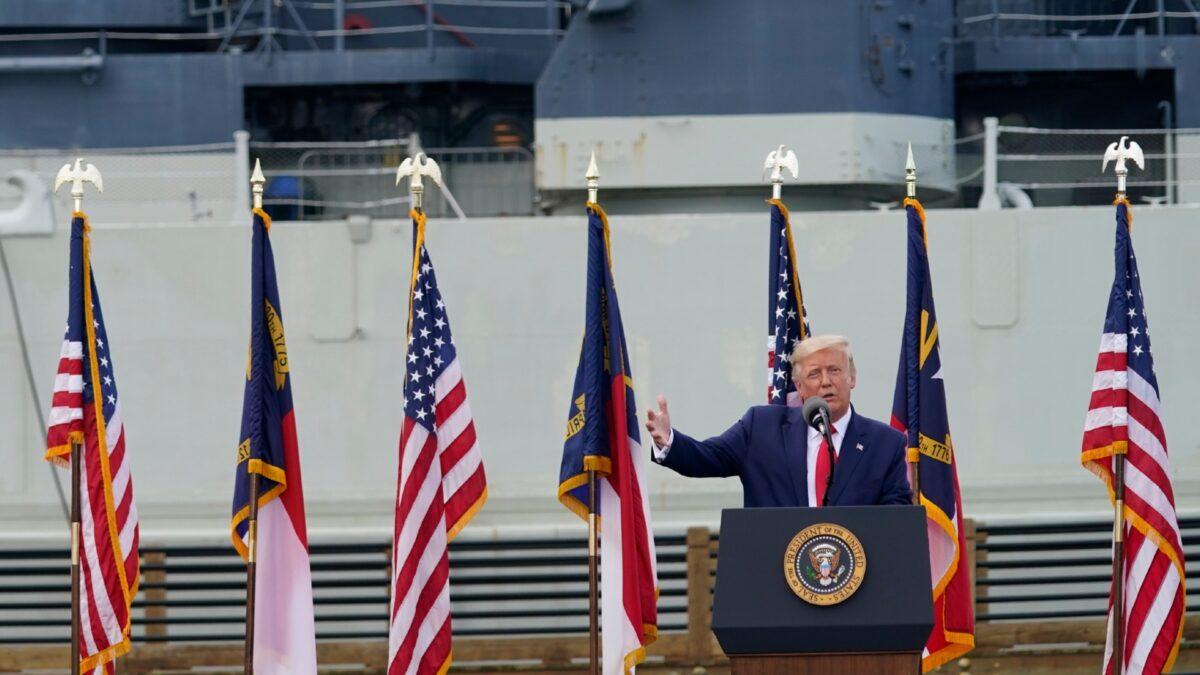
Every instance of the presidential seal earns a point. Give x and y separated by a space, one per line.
824 564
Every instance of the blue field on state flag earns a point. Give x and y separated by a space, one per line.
602 436
919 410
267 425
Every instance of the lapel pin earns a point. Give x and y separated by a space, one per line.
858 447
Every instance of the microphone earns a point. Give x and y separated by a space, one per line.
816 413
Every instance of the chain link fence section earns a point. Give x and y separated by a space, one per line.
1063 167
968 160
176 184
323 181
969 165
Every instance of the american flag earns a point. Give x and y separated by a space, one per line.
86 409
441 484
787 320
1123 418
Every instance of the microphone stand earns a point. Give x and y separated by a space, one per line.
827 433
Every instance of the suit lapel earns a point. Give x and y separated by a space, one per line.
848 457
795 451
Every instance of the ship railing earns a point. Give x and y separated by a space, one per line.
142 185
1033 166
1026 166
323 181
337 25
998 19
208 183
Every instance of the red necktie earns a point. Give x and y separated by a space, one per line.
821 478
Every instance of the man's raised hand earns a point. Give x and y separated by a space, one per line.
659 423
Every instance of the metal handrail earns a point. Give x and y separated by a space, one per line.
356 176
1025 16
381 4
142 150
307 145
338 33
1042 160
415 27
1093 132
430 24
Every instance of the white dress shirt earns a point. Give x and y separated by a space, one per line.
814 445
661 453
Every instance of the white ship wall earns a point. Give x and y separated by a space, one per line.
688 151
1020 295
157 188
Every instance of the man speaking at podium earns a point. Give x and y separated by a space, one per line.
784 461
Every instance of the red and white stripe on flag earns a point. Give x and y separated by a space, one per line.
441 483
440 487
628 565
1123 417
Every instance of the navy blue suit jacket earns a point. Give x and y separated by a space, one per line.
768 450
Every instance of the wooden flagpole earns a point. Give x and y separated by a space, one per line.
593 581
76 542
251 571
1118 573
593 187
257 181
1118 153
1117 624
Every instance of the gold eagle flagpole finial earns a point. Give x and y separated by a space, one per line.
1119 152
777 160
77 175
414 168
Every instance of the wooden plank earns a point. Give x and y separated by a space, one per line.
155 613
975 556
995 636
14 658
1029 648
828 664
699 595
1054 663
144 658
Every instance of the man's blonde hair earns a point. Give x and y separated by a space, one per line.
809 346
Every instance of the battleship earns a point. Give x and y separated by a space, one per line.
1007 105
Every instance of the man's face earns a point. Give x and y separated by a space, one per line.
827 374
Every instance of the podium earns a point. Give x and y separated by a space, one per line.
876 623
